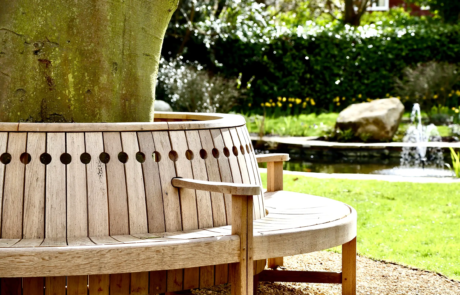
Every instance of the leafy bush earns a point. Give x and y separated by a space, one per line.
432 86
188 87
324 63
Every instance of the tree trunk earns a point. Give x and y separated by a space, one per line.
80 60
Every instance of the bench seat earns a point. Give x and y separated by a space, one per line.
296 223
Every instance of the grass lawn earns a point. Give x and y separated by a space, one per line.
310 125
408 223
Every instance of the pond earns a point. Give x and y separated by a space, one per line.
389 166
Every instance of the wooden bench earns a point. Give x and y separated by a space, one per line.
149 208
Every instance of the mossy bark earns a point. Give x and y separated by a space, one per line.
80 60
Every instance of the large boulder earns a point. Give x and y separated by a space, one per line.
377 120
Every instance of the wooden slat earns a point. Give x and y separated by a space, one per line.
79 241
224 168
6 243
104 240
119 284
152 183
28 243
116 185
3 147
135 185
77 285
184 169
35 286
34 191
192 277
212 167
54 242
11 286
158 282
243 131
251 173
55 215
77 205
167 172
99 285
175 280
199 172
55 285
98 219
221 276
14 188
139 283
349 268
265 158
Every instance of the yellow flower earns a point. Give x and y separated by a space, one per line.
353 99
271 100
368 99
398 97
457 92
456 111
435 96
312 102
290 105
261 104
359 96
338 103
453 108
407 97
279 98
450 94
298 101
388 95
424 97
304 105
273 104
267 104
279 104
343 98
284 98
307 99
249 104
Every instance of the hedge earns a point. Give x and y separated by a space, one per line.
325 68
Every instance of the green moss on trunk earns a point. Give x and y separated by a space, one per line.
80 61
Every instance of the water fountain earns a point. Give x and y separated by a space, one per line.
418 159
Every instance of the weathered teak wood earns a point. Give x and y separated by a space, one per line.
93 208
349 268
274 183
217 198
34 190
13 188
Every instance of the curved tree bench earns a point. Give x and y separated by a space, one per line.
147 208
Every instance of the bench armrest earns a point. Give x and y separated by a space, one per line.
267 158
274 170
217 187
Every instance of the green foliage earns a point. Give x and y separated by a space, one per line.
455 168
324 63
302 125
409 223
189 88
431 85
448 10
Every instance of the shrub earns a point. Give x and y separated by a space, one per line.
188 87
432 86
324 63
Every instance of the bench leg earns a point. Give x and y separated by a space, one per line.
349 268
242 273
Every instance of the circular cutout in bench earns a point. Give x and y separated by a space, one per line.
25 158
140 157
85 158
123 157
66 158
156 157
104 157
203 154
5 158
45 158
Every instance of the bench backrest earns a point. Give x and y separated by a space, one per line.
75 184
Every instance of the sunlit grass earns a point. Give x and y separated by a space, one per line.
409 223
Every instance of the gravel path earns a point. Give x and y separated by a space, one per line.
374 277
